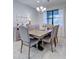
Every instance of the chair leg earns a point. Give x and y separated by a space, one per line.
55 42
29 53
56 39
51 46
21 46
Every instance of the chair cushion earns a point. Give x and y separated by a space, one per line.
32 42
47 39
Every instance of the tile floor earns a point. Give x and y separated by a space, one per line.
59 51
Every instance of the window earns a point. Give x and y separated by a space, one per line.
54 17
58 18
49 17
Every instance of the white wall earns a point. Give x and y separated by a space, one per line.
20 9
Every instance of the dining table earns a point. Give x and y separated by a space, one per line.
39 34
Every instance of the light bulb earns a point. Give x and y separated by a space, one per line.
44 9
37 9
41 7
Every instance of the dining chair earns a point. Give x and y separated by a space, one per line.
52 39
56 34
49 40
25 40
49 26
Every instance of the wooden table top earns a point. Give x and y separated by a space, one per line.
39 33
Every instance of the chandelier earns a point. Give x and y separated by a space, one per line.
40 8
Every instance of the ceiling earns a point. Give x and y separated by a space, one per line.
34 4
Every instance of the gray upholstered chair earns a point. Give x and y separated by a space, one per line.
25 40
52 39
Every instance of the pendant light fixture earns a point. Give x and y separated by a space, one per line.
40 8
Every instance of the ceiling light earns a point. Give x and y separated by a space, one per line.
41 9
37 9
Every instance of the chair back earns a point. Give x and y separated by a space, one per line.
24 34
54 31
